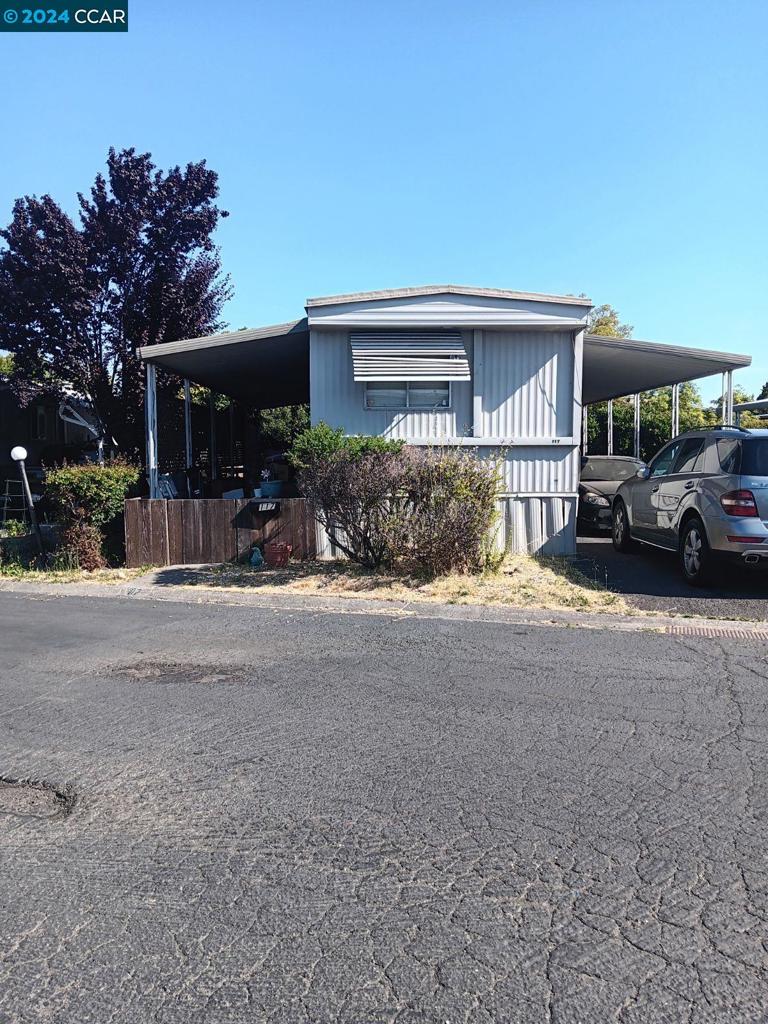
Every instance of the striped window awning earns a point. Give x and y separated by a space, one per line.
422 356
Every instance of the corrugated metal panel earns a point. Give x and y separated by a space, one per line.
538 470
544 526
339 400
422 356
326 549
527 384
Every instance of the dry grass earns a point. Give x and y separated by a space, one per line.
109 577
522 582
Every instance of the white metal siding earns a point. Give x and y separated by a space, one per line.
550 470
527 384
339 400
441 310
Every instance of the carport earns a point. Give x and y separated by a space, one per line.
617 368
268 367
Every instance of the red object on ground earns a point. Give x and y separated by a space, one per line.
277 553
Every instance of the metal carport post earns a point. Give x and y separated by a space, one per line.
150 410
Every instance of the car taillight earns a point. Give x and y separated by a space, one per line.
739 503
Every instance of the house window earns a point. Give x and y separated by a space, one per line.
410 394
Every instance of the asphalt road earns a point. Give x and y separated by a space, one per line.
265 816
650 579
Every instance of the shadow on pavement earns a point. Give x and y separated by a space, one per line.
650 579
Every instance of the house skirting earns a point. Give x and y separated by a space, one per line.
538 524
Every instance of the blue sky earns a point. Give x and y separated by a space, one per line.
613 148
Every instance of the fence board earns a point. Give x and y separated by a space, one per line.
145 542
132 533
174 511
193 530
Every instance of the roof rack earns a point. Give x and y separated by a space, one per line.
718 426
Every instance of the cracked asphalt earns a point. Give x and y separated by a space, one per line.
303 817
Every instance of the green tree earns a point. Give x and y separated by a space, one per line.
764 392
747 419
605 320
279 428
6 365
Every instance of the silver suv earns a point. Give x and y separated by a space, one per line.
705 496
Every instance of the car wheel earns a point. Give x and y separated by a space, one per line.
622 539
695 556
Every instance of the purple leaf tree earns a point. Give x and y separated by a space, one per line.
139 266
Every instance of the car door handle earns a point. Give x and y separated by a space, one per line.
690 484
654 489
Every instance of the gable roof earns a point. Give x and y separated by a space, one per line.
450 289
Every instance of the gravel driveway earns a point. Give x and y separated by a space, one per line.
264 816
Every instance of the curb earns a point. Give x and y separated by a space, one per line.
640 623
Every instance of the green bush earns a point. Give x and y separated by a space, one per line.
89 498
15 528
91 493
447 512
320 443
409 509
349 482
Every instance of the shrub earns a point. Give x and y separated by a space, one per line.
447 514
349 481
417 510
15 528
90 492
80 547
320 443
89 499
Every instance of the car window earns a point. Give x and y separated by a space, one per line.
754 457
688 459
609 469
729 453
662 464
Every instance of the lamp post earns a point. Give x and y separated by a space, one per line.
19 454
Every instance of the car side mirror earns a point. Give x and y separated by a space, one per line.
643 473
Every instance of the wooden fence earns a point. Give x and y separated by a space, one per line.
197 530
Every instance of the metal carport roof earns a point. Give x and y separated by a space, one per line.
265 367
269 366
616 366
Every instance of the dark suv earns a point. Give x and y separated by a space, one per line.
704 495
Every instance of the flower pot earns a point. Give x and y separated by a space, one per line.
277 553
